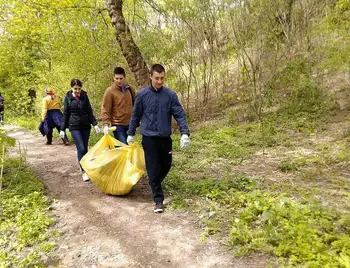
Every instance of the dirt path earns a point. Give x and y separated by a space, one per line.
108 231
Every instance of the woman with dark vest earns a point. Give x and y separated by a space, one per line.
78 117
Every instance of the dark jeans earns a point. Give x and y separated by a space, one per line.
158 156
81 140
120 133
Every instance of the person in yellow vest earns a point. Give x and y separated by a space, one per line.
51 113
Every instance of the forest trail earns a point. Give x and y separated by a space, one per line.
99 230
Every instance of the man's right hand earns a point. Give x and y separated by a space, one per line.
105 129
130 139
184 141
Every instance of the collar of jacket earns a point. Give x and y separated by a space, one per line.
120 88
156 90
70 94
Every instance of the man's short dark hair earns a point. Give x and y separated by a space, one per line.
76 82
156 68
119 70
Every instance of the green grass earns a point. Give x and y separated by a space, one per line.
292 165
25 222
252 219
300 232
286 220
26 121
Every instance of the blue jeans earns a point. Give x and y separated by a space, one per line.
81 140
120 133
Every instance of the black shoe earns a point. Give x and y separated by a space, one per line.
66 143
48 143
159 208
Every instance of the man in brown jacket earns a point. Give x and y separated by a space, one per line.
116 106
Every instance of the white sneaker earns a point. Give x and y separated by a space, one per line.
85 177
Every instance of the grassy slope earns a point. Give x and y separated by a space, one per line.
283 191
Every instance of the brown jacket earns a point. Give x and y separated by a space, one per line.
117 105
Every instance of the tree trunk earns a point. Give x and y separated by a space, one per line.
127 45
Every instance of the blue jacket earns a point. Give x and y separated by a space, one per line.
154 108
43 128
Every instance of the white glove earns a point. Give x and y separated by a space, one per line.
62 134
97 129
130 139
184 141
105 129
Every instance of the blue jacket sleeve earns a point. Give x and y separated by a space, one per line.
136 115
66 114
179 114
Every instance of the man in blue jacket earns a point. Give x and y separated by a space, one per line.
154 106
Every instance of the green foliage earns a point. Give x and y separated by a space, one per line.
303 105
331 154
231 116
252 217
182 189
6 141
237 114
30 122
307 99
334 45
24 218
291 165
298 231
48 45
212 143
226 100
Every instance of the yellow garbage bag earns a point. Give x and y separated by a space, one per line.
114 170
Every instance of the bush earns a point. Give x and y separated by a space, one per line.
291 165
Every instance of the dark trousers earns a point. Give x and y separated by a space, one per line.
81 140
49 136
120 133
54 120
158 156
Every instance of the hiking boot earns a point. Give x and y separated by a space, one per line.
85 177
159 208
48 143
